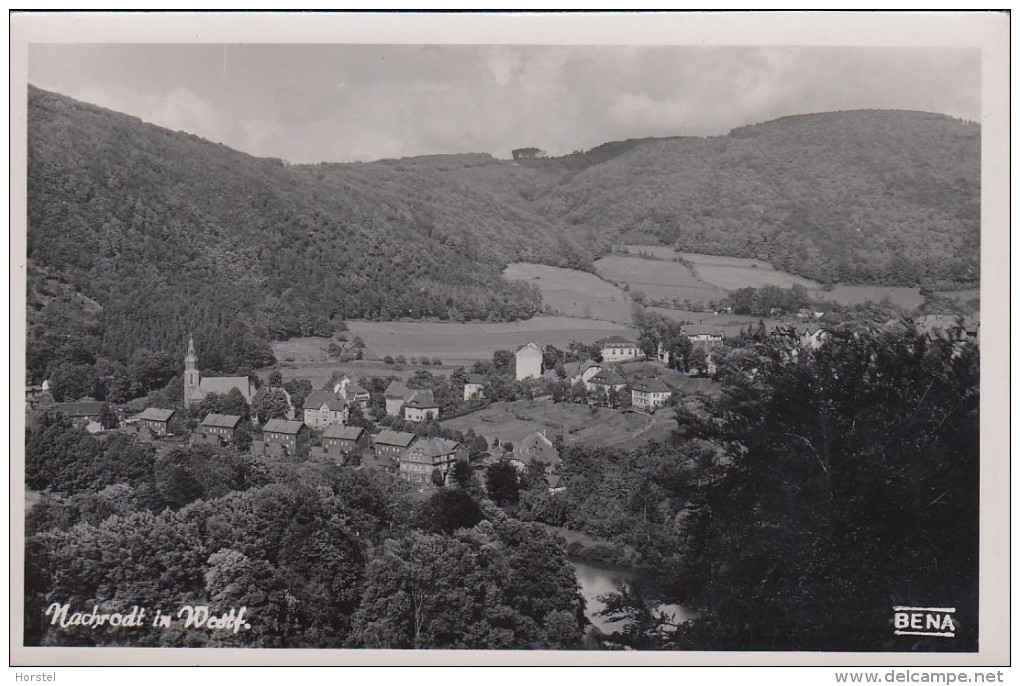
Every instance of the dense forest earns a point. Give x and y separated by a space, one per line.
334 558
138 235
866 197
794 510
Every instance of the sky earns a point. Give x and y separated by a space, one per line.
345 103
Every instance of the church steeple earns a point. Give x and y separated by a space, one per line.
191 375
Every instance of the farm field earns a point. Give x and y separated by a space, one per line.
903 296
658 279
320 371
663 279
731 273
729 324
578 424
459 344
574 293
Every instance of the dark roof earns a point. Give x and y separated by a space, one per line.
350 433
401 439
156 414
702 331
221 421
282 426
81 408
435 447
476 379
617 341
650 386
608 377
422 398
354 390
536 446
397 389
323 396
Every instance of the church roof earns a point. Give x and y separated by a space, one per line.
222 385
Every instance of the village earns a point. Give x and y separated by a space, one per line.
419 431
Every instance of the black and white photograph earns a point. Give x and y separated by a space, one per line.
360 333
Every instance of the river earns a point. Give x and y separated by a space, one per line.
597 579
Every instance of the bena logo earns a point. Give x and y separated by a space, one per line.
924 621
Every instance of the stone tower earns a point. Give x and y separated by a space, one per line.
191 376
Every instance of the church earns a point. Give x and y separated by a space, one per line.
196 387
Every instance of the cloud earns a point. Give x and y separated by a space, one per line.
182 110
284 100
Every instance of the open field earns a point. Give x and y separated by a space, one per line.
903 296
319 371
454 344
574 293
713 275
578 423
729 324
658 278
731 273
464 343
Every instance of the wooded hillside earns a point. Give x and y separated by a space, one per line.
138 235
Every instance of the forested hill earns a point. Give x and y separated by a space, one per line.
880 197
138 235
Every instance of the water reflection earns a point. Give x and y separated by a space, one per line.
598 579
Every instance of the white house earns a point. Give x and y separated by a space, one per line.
649 394
322 408
617 349
583 371
396 394
474 387
421 406
529 362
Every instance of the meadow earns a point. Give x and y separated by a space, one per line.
658 279
464 343
574 293
454 344
712 276
513 421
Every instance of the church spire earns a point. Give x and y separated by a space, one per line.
191 344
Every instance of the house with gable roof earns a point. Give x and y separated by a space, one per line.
528 362
396 395
322 408
421 406
649 394
282 437
618 349
431 460
216 429
156 421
